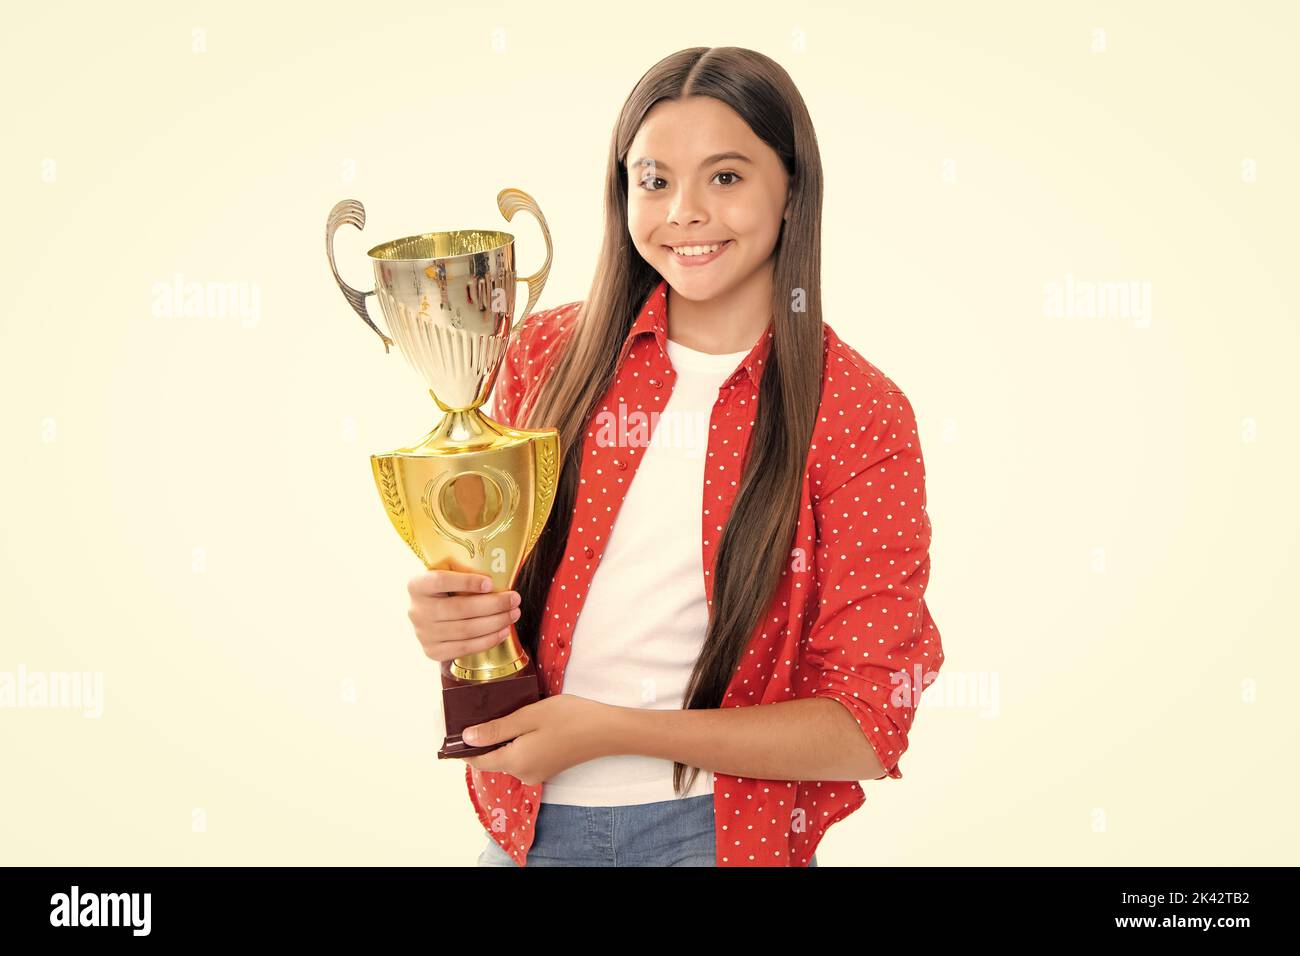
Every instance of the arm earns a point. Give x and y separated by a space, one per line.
874 646
508 390
526 355
871 649
788 740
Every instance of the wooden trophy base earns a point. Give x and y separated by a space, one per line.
469 702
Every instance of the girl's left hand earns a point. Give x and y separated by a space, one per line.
546 736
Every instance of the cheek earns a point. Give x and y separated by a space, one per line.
639 228
638 217
753 221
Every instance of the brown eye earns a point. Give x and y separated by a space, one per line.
734 176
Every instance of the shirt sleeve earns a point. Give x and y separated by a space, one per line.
508 390
873 642
527 353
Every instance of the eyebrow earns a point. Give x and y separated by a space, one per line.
715 158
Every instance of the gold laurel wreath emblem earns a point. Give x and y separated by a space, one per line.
391 491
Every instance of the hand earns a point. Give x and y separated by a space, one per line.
548 736
453 615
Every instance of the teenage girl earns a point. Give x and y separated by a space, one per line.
649 651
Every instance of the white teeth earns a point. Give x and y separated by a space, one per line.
697 250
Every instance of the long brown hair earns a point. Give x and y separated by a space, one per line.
756 541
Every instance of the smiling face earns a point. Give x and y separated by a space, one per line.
699 177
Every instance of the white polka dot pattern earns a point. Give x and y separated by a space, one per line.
847 621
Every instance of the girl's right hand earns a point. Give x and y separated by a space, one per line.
453 615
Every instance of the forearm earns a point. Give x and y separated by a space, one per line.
808 739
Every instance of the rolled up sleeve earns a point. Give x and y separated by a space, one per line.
873 643
508 390
527 353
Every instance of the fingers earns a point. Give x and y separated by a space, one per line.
446 650
434 618
452 617
461 608
431 583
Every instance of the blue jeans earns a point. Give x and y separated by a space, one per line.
666 833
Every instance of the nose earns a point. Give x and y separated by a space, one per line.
684 209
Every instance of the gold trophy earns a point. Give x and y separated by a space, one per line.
472 495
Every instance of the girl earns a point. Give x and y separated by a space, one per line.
773 548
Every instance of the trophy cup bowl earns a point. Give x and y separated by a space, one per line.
473 494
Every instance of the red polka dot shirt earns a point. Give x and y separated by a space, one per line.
847 620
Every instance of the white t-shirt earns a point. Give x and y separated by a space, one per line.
642 625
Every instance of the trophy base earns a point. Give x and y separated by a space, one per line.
469 702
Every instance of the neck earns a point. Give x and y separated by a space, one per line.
726 323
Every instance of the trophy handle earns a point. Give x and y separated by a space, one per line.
351 211
510 201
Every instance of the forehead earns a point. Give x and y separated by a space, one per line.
694 127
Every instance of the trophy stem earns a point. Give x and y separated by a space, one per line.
506 658
467 428
459 430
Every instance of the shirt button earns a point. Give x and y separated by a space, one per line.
655 382
620 464
561 642
588 552
528 806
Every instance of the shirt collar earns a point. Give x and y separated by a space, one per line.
653 319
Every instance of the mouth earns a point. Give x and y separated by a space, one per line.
693 256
